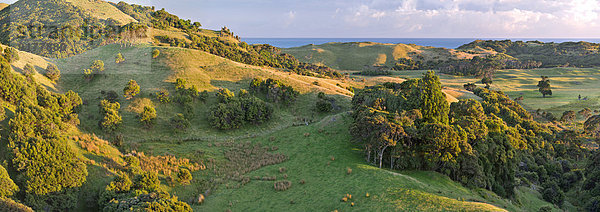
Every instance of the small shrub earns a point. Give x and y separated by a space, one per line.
306 134
282 169
155 53
201 199
179 122
119 58
349 171
184 176
282 185
131 89
52 72
163 96
302 182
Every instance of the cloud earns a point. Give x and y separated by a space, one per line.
478 18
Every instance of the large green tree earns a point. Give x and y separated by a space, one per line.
544 86
433 104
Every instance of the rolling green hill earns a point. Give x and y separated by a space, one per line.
355 55
233 169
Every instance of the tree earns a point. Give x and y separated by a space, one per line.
155 53
119 58
433 102
568 116
7 186
184 176
553 194
131 89
544 86
111 119
148 116
52 72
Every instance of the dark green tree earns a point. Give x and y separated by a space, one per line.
7 186
433 104
544 86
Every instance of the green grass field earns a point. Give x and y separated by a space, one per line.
310 149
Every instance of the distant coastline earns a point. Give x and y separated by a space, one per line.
450 43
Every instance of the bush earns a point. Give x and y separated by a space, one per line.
111 120
155 53
147 181
224 95
52 72
274 90
119 58
184 176
179 122
148 116
163 96
282 185
238 111
132 164
131 89
28 69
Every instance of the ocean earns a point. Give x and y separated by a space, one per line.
450 43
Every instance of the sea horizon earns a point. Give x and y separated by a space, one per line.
450 43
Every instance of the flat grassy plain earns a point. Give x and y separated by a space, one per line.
320 154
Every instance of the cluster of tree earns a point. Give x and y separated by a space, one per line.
143 193
375 71
410 125
234 111
274 90
411 64
143 14
96 68
59 29
111 120
47 171
591 185
575 54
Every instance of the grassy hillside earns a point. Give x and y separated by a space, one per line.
310 149
102 10
357 55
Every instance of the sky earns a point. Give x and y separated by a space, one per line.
392 18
